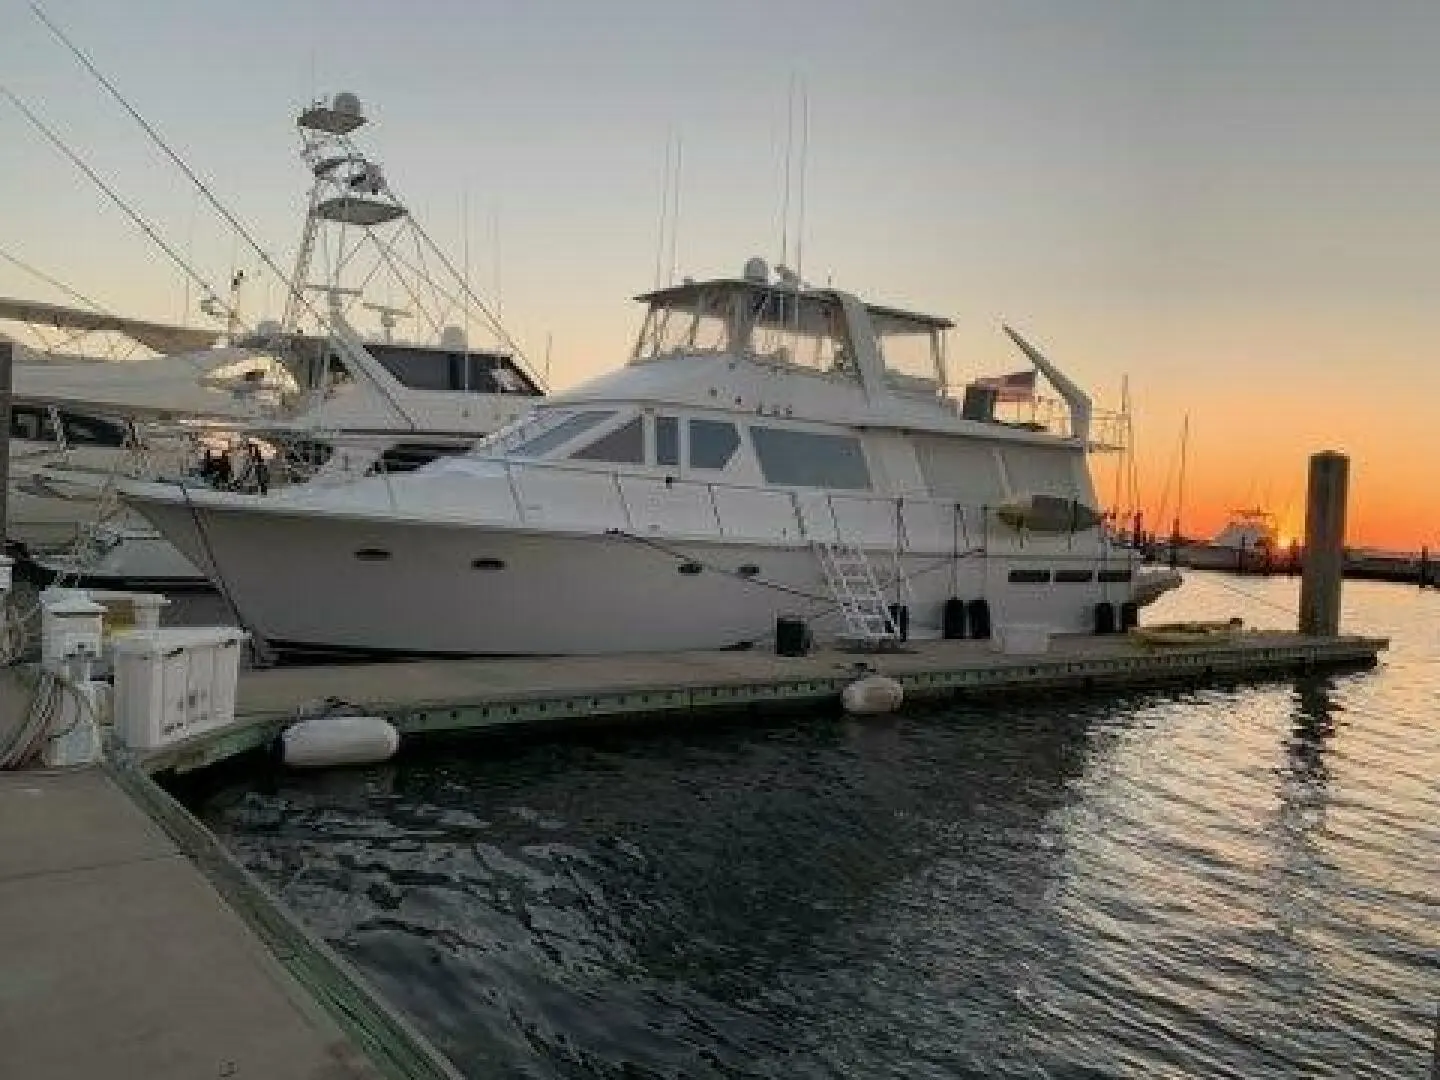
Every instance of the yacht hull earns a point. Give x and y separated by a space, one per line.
305 581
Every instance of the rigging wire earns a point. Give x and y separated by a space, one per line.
159 141
95 178
93 305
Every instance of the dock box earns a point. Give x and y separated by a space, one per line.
174 682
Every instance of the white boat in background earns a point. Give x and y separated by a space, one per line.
308 398
84 414
762 454
1250 542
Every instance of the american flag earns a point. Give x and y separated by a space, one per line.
1017 386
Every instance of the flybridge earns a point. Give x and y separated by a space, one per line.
781 321
883 350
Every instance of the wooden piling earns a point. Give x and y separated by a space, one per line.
1324 544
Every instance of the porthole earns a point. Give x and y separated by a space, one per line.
1030 577
372 554
690 569
487 564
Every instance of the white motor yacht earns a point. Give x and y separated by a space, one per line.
762 455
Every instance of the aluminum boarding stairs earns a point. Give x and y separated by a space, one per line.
852 583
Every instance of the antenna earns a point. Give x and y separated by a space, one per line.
664 208
388 318
675 211
465 250
548 340
785 197
495 241
800 199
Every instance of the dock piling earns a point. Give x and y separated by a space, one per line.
1324 544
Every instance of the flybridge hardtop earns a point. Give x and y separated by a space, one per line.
812 354
159 337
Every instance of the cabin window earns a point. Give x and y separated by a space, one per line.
1114 576
419 369
91 430
1073 577
33 425
562 432
1042 470
407 457
667 441
961 469
625 445
1030 577
810 459
712 443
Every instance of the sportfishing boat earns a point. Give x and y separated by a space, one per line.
350 403
1249 543
84 414
765 453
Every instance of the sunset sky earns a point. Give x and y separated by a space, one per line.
1236 204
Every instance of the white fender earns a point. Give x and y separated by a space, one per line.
322 741
872 695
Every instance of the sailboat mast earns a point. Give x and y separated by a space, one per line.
1180 491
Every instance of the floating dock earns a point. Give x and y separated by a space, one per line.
437 697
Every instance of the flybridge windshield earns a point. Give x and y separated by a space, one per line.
783 325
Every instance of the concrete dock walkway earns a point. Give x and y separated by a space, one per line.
118 958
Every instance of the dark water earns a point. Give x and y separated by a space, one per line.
1221 882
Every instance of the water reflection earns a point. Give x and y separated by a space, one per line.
1227 881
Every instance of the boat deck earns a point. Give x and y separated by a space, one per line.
454 696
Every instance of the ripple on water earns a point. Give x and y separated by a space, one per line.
1221 882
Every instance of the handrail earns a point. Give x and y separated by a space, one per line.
900 534
714 506
624 506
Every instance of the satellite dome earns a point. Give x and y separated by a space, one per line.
756 270
348 103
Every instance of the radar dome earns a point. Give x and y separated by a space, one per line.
756 270
348 103
453 338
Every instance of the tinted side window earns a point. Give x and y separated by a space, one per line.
810 459
712 444
27 422
667 440
91 430
419 369
561 433
626 445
